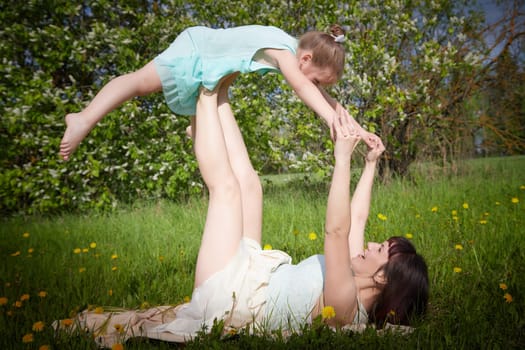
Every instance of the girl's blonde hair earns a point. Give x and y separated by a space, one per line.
326 51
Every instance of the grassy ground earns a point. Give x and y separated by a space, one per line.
468 223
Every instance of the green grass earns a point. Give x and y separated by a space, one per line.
145 255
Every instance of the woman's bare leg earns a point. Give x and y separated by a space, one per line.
251 189
113 94
223 227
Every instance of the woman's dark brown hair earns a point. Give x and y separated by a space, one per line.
326 51
405 294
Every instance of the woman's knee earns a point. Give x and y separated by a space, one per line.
249 181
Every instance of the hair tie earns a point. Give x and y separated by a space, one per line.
338 38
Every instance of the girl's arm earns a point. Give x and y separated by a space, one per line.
339 288
307 91
360 206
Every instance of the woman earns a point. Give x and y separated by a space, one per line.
242 285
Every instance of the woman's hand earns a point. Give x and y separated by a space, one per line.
345 135
375 149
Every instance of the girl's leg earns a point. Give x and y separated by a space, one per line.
223 227
251 189
113 94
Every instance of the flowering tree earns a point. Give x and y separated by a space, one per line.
411 65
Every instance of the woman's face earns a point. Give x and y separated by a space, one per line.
375 256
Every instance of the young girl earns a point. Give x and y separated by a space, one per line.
201 57
242 285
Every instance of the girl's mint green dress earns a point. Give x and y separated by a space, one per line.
201 56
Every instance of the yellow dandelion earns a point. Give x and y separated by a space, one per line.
17 253
25 234
522 187
92 245
455 218
114 256
454 212
82 269
117 346
458 247
30 250
515 200
42 294
267 247
44 347
144 305
381 217
497 203
18 303
418 216
77 250
114 268
38 326
457 269
99 310
3 301
392 312
465 205
66 322
409 235
328 312
508 298
312 236
28 338
187 299
434 209
503 286
486 214
483 222
119 328
85 250
24 297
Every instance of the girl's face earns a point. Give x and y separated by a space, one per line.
375 256
319 76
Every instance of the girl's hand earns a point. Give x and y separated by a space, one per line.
375 149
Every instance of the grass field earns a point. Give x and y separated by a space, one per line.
468 223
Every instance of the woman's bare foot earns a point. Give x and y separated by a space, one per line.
77 129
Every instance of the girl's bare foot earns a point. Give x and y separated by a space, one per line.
77 129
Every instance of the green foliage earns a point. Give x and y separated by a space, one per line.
407 64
